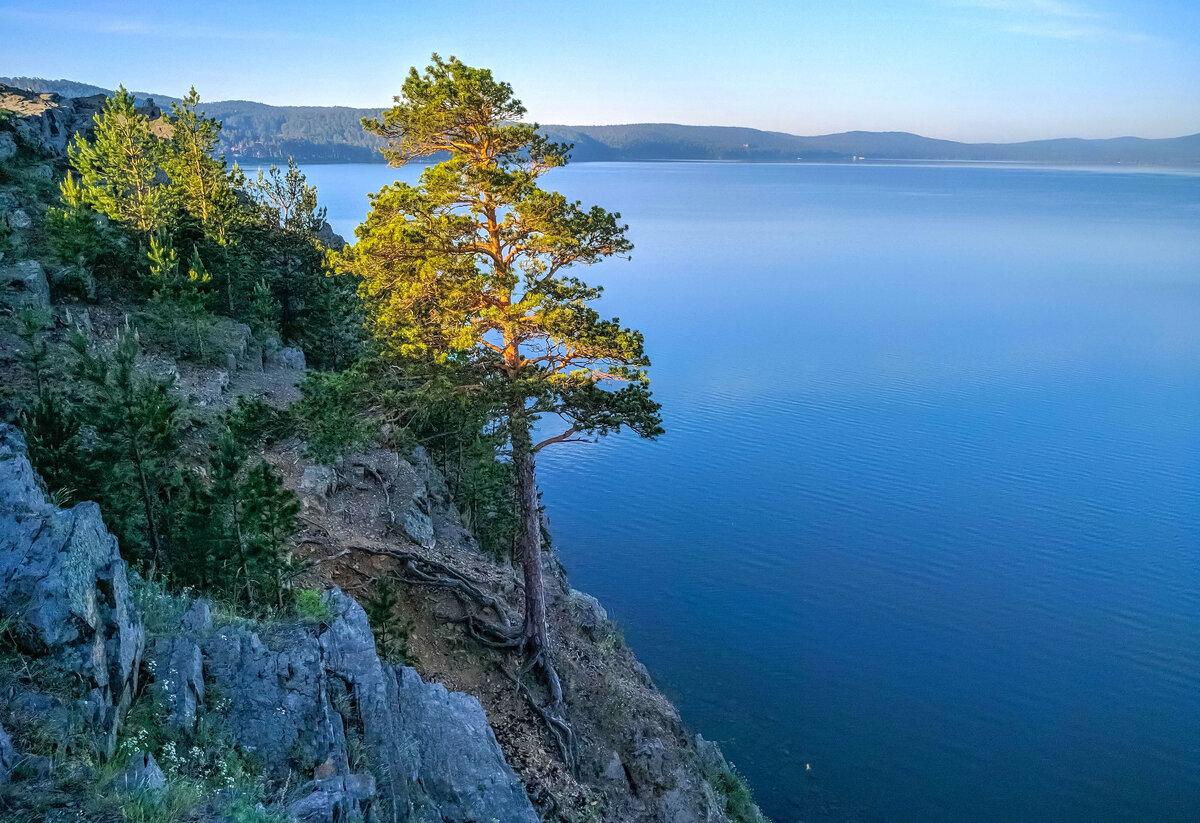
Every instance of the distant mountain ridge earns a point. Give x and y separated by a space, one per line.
258 131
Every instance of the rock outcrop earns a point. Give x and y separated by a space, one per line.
311 701
24 285
45 122
304 699
64 587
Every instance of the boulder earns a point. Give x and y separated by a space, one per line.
19 219
143 776
75 281
204 386
159 367
289 357
65 588
317 485
229 337
8 145
588 612
24 285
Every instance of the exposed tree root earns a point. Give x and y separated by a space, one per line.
422 571
552 715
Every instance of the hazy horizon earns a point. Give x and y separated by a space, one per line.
586 125
966 70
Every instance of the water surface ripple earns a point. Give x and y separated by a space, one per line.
926 515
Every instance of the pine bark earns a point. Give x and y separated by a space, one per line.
534 629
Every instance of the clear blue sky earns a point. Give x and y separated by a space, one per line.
960 69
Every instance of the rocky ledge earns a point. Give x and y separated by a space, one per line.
309 701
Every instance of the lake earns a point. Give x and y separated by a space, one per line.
922 541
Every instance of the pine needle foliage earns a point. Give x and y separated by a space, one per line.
118 169
137 426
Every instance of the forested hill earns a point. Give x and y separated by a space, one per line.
257 131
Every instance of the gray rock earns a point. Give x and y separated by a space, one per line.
197 620
345 797
8 145
40 172
443 511
159 367
178 667
50 714
329 238
712 761
317 807
418 524
204 387
36 765
432 752
461 766
64 586
287 358
356 786
19 219
8 756
231 337
230 362
677 807
179 679
317 485
590 615
278 700
24 284
75 280
613 771
143 776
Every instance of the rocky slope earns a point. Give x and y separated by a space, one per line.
120 700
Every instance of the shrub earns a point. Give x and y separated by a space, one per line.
330 415
739 802
311 606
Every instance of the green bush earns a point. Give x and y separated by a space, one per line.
312 606
739 802
330 415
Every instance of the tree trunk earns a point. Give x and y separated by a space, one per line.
534 630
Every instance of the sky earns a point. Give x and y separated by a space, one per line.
977 70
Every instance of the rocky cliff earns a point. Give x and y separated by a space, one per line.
121 701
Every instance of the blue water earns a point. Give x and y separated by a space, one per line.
922 542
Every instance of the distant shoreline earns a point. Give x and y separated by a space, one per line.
1132 168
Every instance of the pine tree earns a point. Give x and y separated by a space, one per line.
200 179
262 315
251 518
119 169
137 426
382 607
286 200
271 523
471 267
179 302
